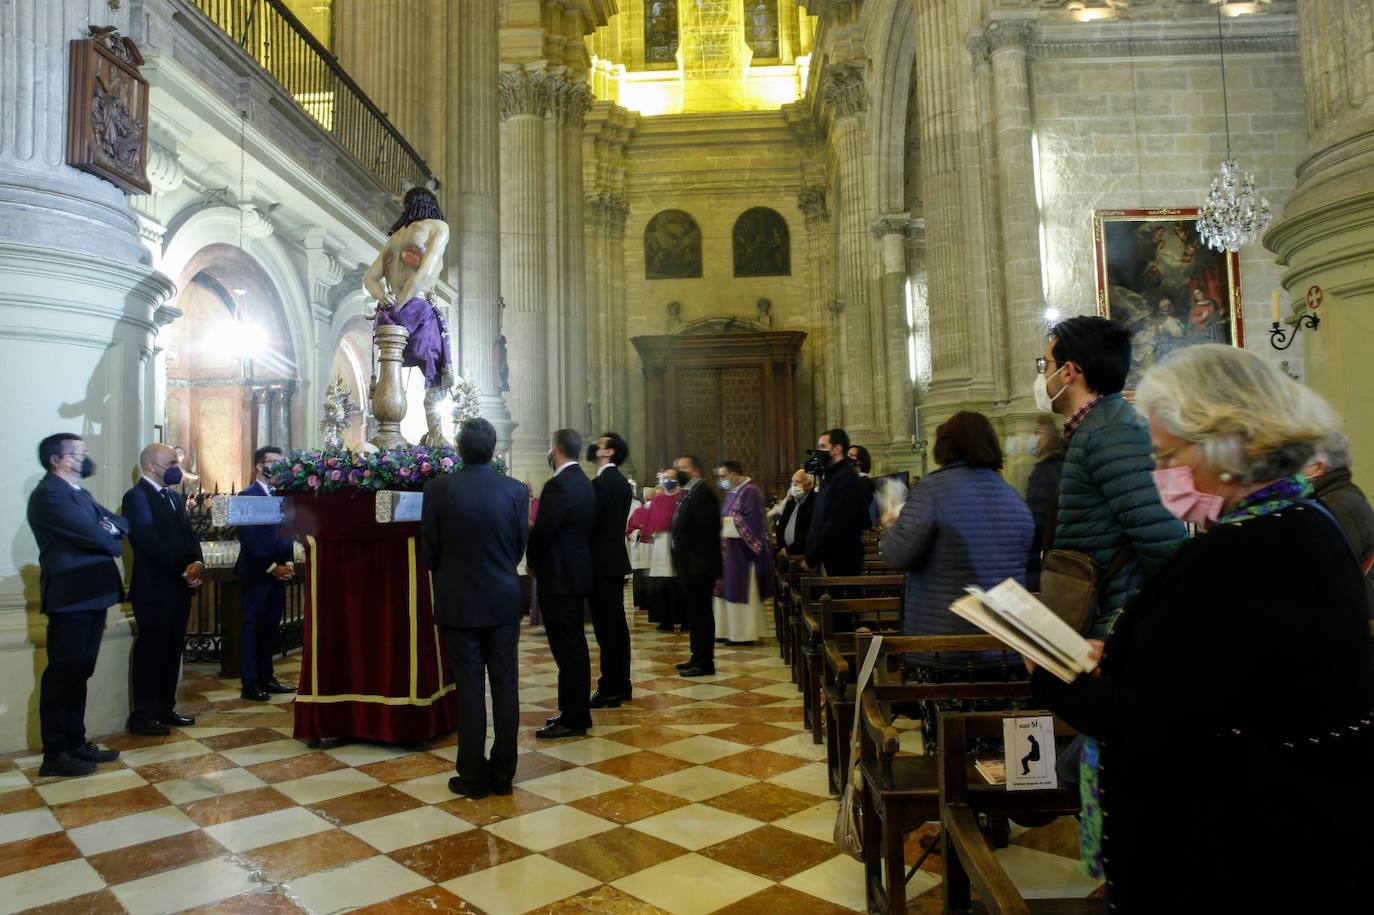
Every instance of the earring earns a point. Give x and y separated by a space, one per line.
1226 477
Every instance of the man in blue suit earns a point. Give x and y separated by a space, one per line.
474 526
78 581
264 567
167 568
561 559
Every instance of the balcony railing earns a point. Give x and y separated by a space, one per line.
282 46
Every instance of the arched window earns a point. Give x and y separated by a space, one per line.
672 246
762 244
761 28
660 32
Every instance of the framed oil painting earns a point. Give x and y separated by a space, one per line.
1156 276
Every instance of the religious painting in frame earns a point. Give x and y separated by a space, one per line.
1156 276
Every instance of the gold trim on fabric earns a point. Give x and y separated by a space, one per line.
314 621
378 700
414 621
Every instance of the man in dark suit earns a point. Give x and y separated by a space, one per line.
167 569
264 567
474 526
835 540
696 554
796 516
78 581
610 565
560 556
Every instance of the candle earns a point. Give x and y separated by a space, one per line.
1275 302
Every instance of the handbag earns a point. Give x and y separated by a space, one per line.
1070 581
849 834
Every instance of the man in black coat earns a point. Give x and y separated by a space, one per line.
697 556
78 581
560 557
167 568
474 527
264 566
610 565
796 516
835 540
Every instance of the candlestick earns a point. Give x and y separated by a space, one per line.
1275 302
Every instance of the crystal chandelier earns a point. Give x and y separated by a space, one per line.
1234 214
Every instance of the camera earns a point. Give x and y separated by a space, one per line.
817 461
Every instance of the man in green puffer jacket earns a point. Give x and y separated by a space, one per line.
1107 498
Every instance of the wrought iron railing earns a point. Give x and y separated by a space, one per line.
282 46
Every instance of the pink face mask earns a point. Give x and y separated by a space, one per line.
1178 492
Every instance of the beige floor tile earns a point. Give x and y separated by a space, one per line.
267 828
585 752
431 789
271 751
211 784
798 745
698 783
26 824
78 789
360 754
520 885
326 786
695 826
166 752
704 691
817 822
549 828
812 778
186 887
46 885
131 830
839 880
1040 875
410 827
354 885
13 781
691 885
572 784
702 748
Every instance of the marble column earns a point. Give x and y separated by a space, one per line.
571 111
594 221
1326 234
864 360
617 409
474 152
77 328
891 232
819 245
524 98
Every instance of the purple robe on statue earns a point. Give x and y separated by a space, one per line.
749 553
427 345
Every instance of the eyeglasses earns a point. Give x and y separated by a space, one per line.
1041 363
75 454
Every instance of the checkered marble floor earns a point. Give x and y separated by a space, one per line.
703 795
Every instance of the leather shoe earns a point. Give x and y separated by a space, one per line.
605 700
698 672
685 665
559 729
502 790
276 687
253 693
455 784
66 765
153 728
93 754
181 721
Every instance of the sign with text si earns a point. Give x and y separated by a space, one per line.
1030 753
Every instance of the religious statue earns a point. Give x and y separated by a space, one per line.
401 280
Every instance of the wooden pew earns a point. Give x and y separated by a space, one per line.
840 618
968 857
901 792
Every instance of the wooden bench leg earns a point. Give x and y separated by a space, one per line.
894 863
958 894
839 723
873 854
813 689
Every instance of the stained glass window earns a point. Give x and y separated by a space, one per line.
761 27
660 31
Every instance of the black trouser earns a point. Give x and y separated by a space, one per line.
696 607
612 635
479 655
638 579
73 646
156 660
563 624
263 605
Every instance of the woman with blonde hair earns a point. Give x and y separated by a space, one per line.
1235 692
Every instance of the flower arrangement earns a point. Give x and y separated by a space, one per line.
343 470
465 401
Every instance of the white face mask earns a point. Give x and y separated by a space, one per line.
796 492
1043 400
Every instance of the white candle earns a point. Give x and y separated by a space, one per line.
1275 302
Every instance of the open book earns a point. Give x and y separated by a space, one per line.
1012 614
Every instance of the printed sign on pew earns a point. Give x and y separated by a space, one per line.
1029 746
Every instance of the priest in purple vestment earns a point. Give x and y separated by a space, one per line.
748 558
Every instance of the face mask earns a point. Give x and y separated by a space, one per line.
551 464
1043 400
87 467
1179 494
725 484
591 453
796 492
669 485
171 476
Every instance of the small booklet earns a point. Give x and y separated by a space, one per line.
993 770
1012 614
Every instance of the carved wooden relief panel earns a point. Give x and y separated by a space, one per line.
107 110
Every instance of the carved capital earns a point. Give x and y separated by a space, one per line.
569 103
1009 35
890 224
979 48
811 201
524 92
843 88
256 225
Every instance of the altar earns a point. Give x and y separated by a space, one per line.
372 664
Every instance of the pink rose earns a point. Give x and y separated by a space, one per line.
332 462
446 463
297 468
405 471
367 473
313 481
336 475
426 467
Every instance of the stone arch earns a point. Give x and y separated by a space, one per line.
672 246
892 94
761 243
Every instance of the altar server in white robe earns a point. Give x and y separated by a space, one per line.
748 560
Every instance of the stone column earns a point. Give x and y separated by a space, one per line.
1324 236
474 151
891 232
824 382
617 411
594 221
77 331
573 101
865 405
524 96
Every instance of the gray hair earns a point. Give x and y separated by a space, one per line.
1250 419
1334 452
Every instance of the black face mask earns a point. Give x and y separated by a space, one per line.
591 453
87 467
552 465
171 476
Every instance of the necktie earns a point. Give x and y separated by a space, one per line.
169 499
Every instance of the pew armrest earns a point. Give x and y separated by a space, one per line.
836 663
963 837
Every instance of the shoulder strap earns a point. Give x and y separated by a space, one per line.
865 674
1317 506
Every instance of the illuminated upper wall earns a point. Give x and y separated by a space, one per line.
677 56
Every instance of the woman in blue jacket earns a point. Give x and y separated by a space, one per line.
962 525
